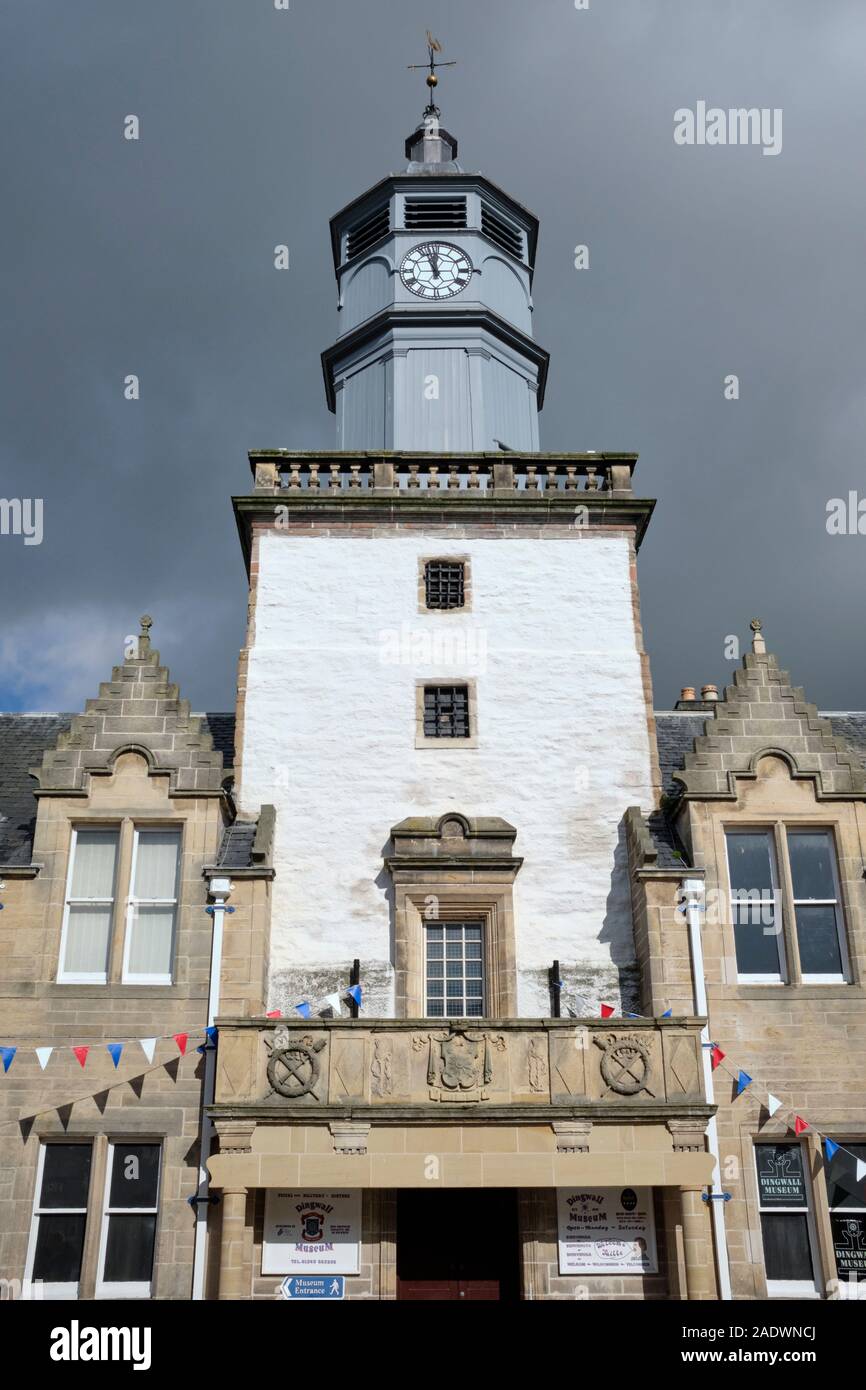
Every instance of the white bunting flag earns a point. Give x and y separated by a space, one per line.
148 1047
43 1053
773 1104
334 1002
861 1169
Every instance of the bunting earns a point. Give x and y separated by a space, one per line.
743 1081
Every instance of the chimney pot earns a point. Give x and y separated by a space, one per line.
687 692
709 692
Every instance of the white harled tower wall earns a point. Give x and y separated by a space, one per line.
329 738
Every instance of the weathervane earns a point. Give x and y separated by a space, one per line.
433 47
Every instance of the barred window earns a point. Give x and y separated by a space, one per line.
454 970
444 583
446 711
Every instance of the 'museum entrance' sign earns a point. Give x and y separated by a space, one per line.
310 1232
606 1230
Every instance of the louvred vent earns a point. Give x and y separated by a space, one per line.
377 224
423 214
503 233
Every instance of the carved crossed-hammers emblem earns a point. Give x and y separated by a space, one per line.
625 1067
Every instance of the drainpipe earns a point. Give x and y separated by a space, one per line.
219 890
693 890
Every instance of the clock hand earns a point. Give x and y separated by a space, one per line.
434 263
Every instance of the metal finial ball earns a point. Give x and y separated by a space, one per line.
432 80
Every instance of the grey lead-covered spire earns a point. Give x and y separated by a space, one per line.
430 149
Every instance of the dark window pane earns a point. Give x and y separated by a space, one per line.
65 1175
843 1189
446 711
757 949
134 1175
811 865
753 905
749 861
849 1243
59 1246
818 940
444 584
781 1177
129 1249
786 1245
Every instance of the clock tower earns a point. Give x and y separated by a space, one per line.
434 271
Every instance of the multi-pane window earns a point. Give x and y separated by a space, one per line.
152 907
446 711
454 969
848 1211
755 906
444 583
86 938
129 1221
786 1221
816 904
59 1219
150 892
759 863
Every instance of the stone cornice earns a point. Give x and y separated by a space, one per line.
599 1112
604 510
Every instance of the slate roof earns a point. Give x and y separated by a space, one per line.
671 853
23 740
236 850
675 735
676 732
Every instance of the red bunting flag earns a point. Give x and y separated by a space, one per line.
181 1040
81 1054
717 1056
799 1125
274 1013
606 1010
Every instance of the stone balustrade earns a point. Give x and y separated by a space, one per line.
533 476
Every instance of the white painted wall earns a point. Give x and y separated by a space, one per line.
563 746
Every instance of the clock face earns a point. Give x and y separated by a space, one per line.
435 270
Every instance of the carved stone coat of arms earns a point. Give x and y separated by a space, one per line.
459 1063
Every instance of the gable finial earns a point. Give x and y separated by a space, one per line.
759 646
433 47
146 623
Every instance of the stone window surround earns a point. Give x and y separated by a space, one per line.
100 1145
455 904
446 613
744 1141
446 745
454 869
778 825
125 826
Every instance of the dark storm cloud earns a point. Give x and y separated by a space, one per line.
156 258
